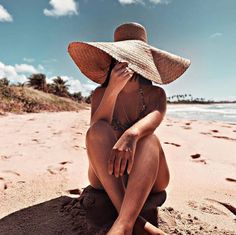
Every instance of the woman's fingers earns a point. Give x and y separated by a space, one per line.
111 162
120 65
122 71
117 165
123 164
117 162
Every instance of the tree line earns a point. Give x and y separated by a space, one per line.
57 87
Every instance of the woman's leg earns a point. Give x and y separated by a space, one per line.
140 183
100 139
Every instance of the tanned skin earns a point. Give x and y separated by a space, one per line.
138 147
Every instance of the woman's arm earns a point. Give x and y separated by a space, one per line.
125 147
152 120
103 104
120 75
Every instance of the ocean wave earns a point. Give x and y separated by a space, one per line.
197 109
222 112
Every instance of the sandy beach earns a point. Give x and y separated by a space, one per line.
43 156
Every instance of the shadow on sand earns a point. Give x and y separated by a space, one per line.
89 214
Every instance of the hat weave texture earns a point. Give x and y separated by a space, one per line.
130 45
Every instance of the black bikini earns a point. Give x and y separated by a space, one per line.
116 125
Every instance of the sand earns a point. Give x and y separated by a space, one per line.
43 156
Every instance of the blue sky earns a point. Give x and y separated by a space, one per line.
34 36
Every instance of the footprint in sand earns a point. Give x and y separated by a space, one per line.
226 205
31 119
215 131
55 170
205 208
4 157
194 156
3 185
57 133
205 133
12 172
227 126
77 147
231 179
169 125
200 160
177 145
224 137
186 127
65 162
78 133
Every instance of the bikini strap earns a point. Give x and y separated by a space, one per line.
143 108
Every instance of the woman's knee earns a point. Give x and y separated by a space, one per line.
150 141
97 129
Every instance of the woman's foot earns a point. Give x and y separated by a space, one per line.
120 229
143 227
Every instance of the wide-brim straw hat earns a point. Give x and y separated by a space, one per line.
130 45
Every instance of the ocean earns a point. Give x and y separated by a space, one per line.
215 112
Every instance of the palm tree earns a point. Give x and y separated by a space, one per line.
38 81
4 82
60 87
88 98
77 96
20 84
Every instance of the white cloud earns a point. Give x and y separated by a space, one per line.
28 60
214 35
127 2
160 1
62 8
4 15
18 72
25 68
48 61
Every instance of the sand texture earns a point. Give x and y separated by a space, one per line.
43 173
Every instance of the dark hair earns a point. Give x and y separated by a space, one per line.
142 79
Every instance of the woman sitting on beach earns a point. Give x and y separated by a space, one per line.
126 158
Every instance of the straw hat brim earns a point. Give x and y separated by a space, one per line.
159 66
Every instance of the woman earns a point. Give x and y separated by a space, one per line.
126 158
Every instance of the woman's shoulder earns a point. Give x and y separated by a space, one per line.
98 92
156 96
154 91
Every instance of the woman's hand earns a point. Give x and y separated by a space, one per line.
122 153
120 75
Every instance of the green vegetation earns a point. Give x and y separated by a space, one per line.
36 95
